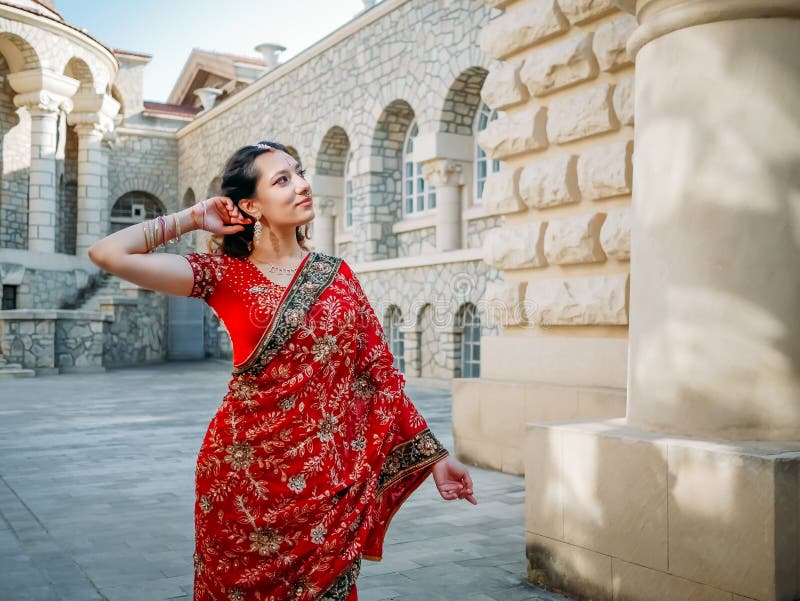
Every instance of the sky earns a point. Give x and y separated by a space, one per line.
169 29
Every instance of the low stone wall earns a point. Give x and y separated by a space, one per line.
53 341
136 329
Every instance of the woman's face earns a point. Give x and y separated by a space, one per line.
283 196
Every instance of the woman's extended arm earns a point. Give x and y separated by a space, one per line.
125 253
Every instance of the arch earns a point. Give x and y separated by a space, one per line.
20 55
77 68
151 185
462 101
134 207
189 199
332 153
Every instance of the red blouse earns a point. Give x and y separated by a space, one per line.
229 286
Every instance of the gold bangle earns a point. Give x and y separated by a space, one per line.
177 229
144 229
151 227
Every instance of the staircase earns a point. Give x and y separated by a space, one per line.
87 299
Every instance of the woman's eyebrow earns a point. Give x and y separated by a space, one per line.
283 171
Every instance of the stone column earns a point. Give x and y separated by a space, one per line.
694 495
44 94
324 225
715 277
448 178
92 118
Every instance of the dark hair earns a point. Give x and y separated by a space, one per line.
239 179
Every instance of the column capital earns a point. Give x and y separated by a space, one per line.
325 207
443 172
660 17
42 91
93 114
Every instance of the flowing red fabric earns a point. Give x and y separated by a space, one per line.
315 445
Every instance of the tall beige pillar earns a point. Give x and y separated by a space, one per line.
695 494
448 178
92 117
44 94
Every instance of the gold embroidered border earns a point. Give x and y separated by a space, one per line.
342 586
314 277
420 451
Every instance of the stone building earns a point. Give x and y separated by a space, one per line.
614 303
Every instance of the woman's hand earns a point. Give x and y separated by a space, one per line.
453 480
222 216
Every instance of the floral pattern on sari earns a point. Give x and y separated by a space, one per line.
314 447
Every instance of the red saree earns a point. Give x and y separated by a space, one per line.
315 445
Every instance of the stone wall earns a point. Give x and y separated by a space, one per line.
477 228
416 242
145 163
429 298
404 60
562 83
136 328
49 289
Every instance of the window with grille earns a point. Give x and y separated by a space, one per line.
483 166
394 336
416 198
470 343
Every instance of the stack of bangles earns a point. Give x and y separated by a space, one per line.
151 229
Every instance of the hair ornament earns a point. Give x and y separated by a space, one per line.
263 146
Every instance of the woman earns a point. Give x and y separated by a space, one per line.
315 445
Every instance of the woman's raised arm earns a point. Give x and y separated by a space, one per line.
125 253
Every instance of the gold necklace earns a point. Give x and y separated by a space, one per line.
278 268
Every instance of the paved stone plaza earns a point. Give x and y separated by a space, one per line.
97 494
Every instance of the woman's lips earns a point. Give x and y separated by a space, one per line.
306 201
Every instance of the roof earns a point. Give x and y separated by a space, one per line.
166 108
203 64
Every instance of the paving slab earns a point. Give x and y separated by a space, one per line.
97 495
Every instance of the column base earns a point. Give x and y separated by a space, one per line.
618 513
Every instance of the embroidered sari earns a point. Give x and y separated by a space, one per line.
315 445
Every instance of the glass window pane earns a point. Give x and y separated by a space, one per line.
482 169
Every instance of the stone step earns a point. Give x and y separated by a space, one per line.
15 370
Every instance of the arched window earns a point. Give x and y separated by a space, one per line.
134 207
394 337
416 199
470 343
348 192
483 165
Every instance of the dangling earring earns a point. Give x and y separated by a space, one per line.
257 228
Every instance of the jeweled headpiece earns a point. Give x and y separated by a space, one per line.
263 146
